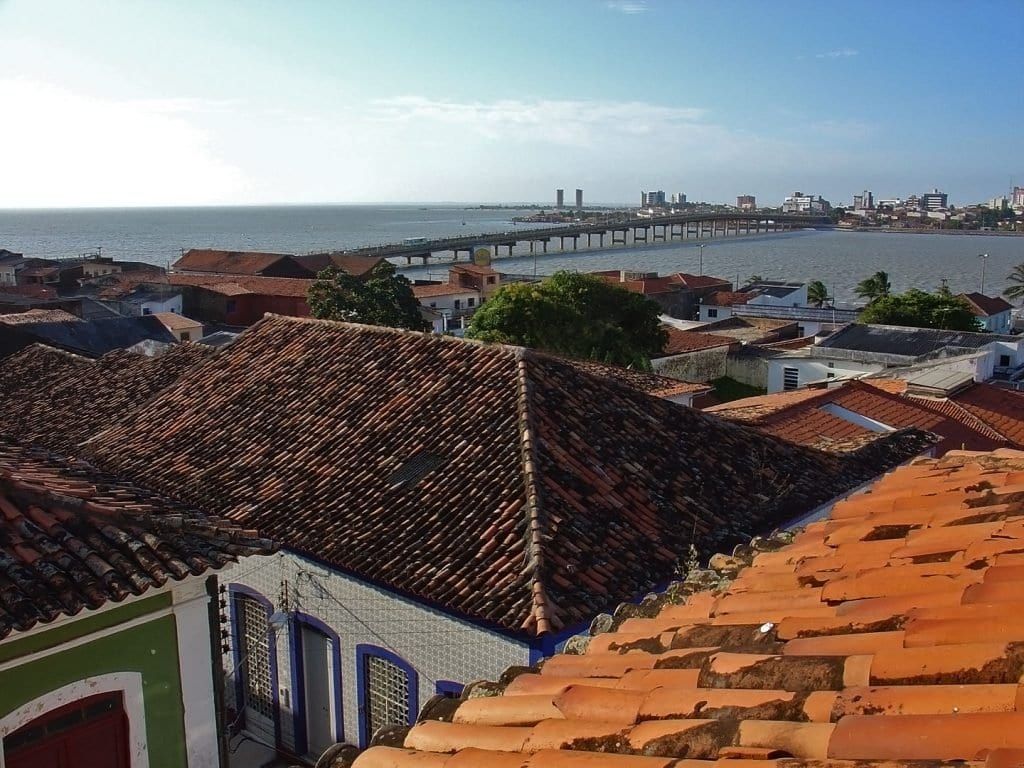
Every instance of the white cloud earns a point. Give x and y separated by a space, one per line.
629 7
838 53
568 122
61 148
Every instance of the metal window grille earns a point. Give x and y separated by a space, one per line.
790 378
254 650
387 693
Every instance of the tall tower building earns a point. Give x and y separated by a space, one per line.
934 200
746 202
579 199
559 198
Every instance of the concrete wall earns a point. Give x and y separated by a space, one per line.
749 369
699 367
437 646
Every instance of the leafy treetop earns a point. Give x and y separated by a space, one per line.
574 315
919 309
384 298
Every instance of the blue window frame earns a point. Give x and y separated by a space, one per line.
449 688
256 686
388 690
296 622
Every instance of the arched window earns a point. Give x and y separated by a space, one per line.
388 690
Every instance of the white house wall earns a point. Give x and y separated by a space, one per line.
172 304
437 646
815 369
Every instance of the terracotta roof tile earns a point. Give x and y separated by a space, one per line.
926 669
986 306
228 262
230 285
528 484
58 400
176 322
727 298
680 342
442 289
73 538
807 416
641 381
39 316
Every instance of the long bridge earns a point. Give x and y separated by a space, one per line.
625 231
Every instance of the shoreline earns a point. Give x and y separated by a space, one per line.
926 231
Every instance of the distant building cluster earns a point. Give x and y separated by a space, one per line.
798 202
932 209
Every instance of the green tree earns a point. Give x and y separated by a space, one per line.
1015 291
875 287
574 315
817 293
837 214
384 298
919 309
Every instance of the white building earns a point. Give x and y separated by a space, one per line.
857 350
798 202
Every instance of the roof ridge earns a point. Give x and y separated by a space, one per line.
540 611
387 330
970 419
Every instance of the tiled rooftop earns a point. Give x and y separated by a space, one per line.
494 482
442 289
227 262
889 635
57 400
680 342
33 316
809 417
72 538
641 381
728 298
986 306
240 284
351 263
177 322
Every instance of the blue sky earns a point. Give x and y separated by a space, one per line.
218 102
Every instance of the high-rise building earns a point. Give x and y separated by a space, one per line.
934 201
678 198
1018 197
746 202
579 199
652 199
865 201
559 198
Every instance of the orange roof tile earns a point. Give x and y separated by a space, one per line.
803 416
228 262
680 342
39 316
902 661
442 289
530 505
728 298
177 322
239 284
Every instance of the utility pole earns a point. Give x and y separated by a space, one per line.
984 261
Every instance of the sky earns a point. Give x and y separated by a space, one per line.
242 102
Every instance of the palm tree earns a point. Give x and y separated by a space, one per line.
817 293
1015 291
875 287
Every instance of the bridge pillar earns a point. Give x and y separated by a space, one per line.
636 236
654 232
544 242
615 239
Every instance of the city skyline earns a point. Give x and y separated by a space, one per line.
225 103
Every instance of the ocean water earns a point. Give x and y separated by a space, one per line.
840 259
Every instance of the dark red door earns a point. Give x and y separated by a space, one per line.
89 733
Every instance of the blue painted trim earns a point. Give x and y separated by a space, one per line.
235 591
362 651
548 645
296 621
449 688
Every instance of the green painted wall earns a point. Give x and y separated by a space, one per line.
150 649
